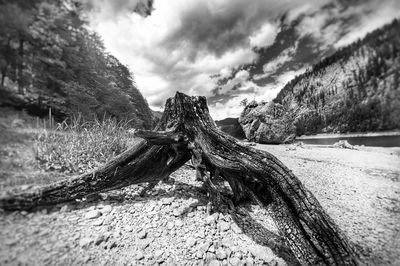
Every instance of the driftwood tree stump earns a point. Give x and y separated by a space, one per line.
186 131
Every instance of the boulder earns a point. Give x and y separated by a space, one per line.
268 124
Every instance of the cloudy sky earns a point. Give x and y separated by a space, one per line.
229 50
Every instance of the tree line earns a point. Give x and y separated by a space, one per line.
47 50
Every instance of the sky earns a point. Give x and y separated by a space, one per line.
229 50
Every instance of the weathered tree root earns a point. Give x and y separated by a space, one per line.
187 131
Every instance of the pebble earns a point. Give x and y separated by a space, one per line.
161 234
167 201
92 214
139 255
100 238
211 219
98 222
85 242
220 253
191 241
170 225
234 261
236 229
262 252
224 226
64 208
106 209
158 255
178 212
214 263
142 234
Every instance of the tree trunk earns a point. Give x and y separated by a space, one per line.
20 66
3 76
186 131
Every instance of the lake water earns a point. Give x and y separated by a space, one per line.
375 141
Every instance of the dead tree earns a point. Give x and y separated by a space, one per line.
186 131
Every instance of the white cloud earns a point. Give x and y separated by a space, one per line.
374 16
231 108
326 26
265 36
166 54
182 43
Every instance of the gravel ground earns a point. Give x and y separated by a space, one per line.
169 224
360 189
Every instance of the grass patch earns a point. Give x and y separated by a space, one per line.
80 146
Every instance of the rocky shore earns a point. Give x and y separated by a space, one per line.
169 225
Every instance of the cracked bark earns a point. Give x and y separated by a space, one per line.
187 131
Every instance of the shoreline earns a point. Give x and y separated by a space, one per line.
350 135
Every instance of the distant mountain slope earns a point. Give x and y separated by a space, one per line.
355 89
232 127
49 58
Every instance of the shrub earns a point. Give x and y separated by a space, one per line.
79 146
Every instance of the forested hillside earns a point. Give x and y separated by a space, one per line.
355 89
49 58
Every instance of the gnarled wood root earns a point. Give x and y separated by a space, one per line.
187 131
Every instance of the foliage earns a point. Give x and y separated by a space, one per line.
47 49
79 145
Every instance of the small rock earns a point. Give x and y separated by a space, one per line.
234 261
211 249
98 222
220 253
64 208
11 242
170 225
214 263
100 238
204 247
142 234
158 255
139 255
249 261
178 223
146 242
212 219
278 262
263 253
238 255
199 254
93 214
190 242
129 228
224 226
236 229
167 201
85 242
177 212
108 219
106 209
